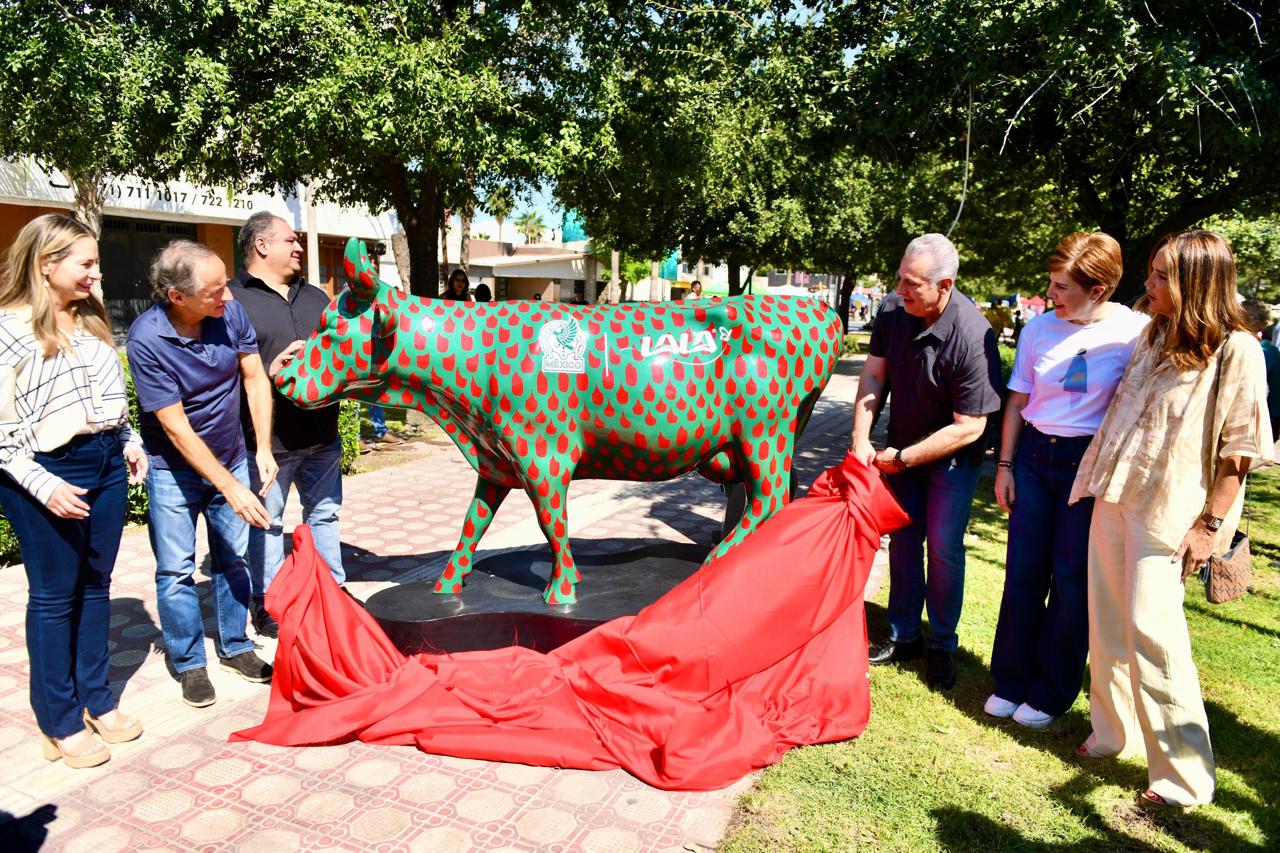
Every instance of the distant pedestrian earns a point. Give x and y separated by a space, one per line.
695 291
1258 315
482 293
457 288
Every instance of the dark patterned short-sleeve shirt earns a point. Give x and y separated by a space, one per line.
937 371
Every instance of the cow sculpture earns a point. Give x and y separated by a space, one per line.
538 394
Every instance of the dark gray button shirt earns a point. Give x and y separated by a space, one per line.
936 371
279 322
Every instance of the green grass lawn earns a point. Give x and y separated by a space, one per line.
932 772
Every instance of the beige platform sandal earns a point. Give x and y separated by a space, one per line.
86 751
125 729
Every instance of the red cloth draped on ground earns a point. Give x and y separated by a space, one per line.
760 650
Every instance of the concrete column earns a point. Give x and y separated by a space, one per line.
615 286
591 275
313 238
655 289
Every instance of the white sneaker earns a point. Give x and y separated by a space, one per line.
1031 718
998 707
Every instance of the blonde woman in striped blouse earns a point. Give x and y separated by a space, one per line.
64 426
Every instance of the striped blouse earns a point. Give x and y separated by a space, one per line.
44 403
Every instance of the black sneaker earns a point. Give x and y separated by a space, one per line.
248 666
891 651
939 671
264 624
197 690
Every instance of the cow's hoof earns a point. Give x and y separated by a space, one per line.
561 593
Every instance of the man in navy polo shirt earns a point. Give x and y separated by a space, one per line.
935 355
188 354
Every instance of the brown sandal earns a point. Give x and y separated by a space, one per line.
126 729
85 752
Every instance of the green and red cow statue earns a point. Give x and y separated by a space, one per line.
538 394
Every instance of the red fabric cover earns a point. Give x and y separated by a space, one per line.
760 650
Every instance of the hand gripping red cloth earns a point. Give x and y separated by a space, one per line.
760 650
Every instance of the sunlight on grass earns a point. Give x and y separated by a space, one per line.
932 772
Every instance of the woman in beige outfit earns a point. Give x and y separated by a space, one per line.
1167 468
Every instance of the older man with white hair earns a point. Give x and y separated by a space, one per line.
935 354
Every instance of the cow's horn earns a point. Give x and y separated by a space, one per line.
359 269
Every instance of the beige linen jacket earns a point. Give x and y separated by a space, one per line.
1157 449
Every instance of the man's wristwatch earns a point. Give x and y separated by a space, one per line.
1212 522
899 461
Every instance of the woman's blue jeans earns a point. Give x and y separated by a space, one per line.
938 499
68 563
1042 638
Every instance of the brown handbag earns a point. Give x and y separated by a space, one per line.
1226 578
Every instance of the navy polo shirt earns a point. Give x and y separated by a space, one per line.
938 370
203 375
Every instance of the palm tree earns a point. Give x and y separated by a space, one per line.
499 203
530 225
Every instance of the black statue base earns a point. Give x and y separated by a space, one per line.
501 604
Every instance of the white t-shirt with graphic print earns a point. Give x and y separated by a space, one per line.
1071 370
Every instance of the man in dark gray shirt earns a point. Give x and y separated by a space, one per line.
935 353
285 310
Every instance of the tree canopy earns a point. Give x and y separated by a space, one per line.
103 92
756 133
1146 117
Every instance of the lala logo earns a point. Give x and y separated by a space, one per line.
689 344
562 343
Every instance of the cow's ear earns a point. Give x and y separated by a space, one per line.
359 270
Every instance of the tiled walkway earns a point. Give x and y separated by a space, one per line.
183 787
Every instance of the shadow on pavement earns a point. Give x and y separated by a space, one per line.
26 833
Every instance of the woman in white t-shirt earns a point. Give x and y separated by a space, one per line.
1067 367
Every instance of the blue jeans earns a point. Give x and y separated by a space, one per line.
379 420
317 472
1040 649
177 499
68 563
938 498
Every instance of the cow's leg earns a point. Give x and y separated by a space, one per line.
766 475
484 506
553 518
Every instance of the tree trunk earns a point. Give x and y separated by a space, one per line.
444 251
655 284
91 193
400 251
420 214
735 277
424 263
464 235
615 283
845 300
